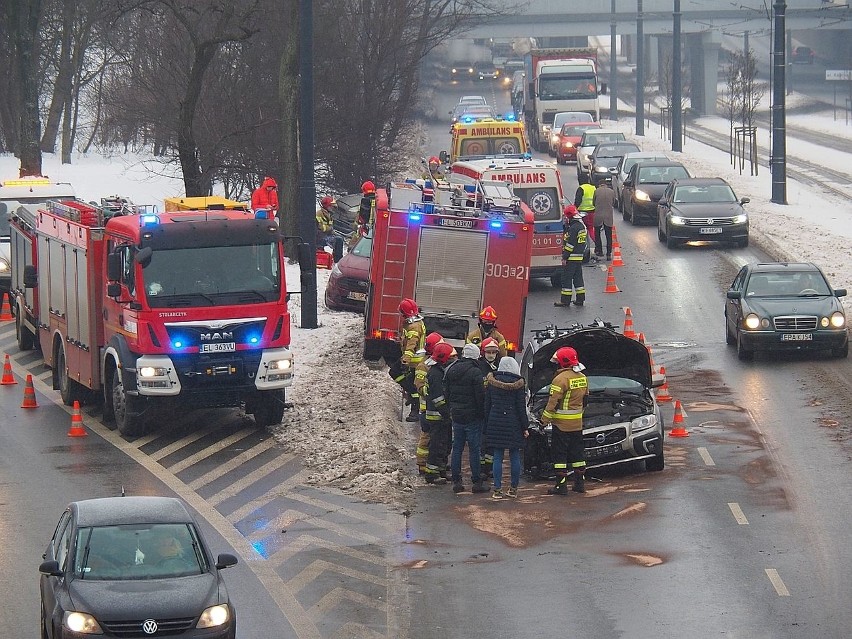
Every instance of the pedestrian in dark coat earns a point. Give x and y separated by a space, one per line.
464 389
506 422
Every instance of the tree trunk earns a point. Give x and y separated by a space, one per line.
193 178
26 18
288 91
62 88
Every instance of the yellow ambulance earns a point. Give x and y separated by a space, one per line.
477 138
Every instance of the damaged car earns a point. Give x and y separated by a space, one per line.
621 421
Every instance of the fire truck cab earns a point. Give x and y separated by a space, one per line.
453 249
539 186
175 311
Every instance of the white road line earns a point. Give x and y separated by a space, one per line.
705 455
214 448
779 586
738 513
176 446
230 465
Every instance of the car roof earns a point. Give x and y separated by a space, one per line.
609 131
112 511
663 163
775 267
646 154
699 181
471 98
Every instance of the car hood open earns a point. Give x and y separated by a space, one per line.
601 350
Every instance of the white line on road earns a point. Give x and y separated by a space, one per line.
779 586
738 513
705 455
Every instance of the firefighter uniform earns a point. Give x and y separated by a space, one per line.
478 336
573 248
564 411
422 450
438 422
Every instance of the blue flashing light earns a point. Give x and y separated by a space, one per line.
509 117
254 339
149 220
177 343
468 119
414 217
261 214
496 224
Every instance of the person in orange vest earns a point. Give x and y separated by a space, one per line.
265 197
564 410
488 328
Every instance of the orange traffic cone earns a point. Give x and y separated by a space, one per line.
628 323
615 244
6 311
610 282
8 378
616 256
29 394
678 430
663 394
650 357
77 429
641 338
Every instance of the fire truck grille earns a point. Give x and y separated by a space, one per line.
218 372
451 270
193 336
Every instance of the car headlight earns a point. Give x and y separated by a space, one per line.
4 265
838 319
751 321
641 196
677 220
568 145
643 423
82 623
554 138
546 128
214 616
280 364
601 169
153 371
740 219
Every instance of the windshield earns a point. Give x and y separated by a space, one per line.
575 87
787 284
577 130
716 194
661 174
216 275
364 247
138 551
614 151
596 138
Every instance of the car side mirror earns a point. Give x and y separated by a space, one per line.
840 292
745 200
225 560
663 203
50 568
734 295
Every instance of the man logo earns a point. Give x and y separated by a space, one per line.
600 438
149 627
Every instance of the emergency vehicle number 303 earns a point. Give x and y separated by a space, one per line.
507 270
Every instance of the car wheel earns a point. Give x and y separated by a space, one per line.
660 235
632 216
671 243
656 463
26 340
841 352
556 280
624 213
127 410
730 340
268 408
69 390
742 352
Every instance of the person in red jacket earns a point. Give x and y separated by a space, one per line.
265 197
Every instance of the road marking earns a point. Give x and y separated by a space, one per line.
705 455
738 513
165 451
777 583
230 465
214 448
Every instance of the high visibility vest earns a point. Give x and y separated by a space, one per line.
588 201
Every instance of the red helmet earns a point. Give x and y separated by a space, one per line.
488 314
434 160
432 340
368 187
488 342
326 201
443 352
408 307
570 210
565 357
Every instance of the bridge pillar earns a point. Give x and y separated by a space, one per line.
704 71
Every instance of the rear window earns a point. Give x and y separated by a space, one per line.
576 130
592 139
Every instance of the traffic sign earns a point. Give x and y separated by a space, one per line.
838 74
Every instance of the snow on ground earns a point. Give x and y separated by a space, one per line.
345 423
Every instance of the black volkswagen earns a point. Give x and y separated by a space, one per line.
703 209
132 567
781 306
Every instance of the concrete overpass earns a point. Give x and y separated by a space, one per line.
822 24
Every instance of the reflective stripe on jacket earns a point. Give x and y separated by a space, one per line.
587 203
565 406
574 240
413 342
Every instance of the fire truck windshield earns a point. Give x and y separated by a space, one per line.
216 275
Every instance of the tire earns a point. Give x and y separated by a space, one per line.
26 340
623 213
44 634
70 390
656 463
556 280
660 235
267 408
743 354
730 340
632 216
127 410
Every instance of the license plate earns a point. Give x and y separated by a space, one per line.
797 337
361 297
710 230
226 347
603 451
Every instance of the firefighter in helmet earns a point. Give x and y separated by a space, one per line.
367 209
564 411
490 359
438 413
488 328
433 169
413 346
325 223
420 372
573 248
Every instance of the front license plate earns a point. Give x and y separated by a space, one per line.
710 230
226 347
797 337
603 451
361 297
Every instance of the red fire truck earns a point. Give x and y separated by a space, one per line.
176 311
452 250
538 184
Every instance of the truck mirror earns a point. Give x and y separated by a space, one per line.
113 289
114 268
444 157
30 276
603 88
143 256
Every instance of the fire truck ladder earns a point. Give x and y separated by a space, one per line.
393 268
78 212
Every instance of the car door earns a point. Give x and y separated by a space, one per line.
58 550
664 206
734 310
629 188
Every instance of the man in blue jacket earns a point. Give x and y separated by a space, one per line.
464 390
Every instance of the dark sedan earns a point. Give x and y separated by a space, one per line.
133 567
701 209
644 186
784 307
350 279
605 158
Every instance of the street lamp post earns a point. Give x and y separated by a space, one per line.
778 160
640 68
677 82
613 71
307 185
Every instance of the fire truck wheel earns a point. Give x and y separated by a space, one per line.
70 390
556 280
26 340
127 410
267 408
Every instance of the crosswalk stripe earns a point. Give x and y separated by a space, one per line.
233 463
247 480
175 446
319 566
305 542
212 449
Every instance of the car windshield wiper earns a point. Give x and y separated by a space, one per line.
85 556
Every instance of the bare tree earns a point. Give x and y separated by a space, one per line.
24 22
